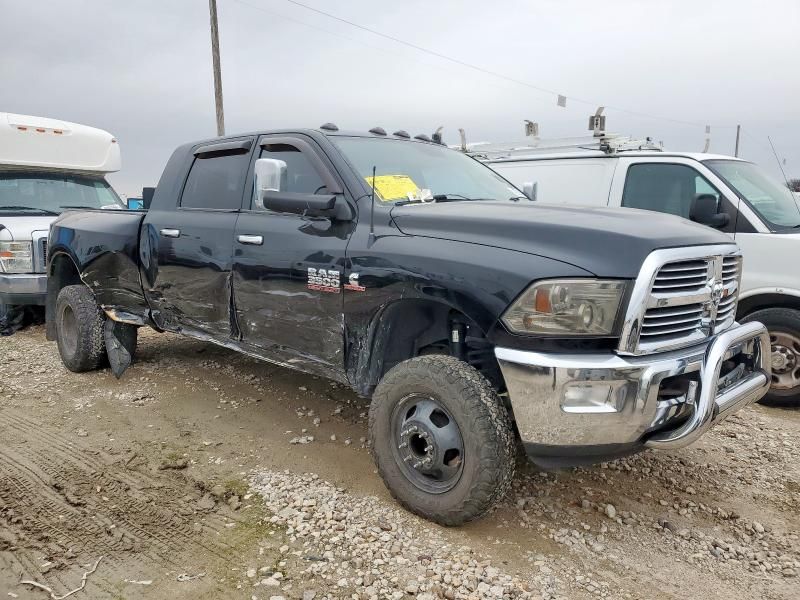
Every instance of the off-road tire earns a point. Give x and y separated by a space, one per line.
12 318
779 320
486 429
80 340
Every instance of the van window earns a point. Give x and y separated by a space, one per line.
216 181
584 182
664 187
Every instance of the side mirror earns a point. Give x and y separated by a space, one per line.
134 203
530 188
270 176
704 210
313 205
147 197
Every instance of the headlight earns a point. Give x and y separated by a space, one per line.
16 257
567 306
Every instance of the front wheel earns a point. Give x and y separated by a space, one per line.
442 440
783 325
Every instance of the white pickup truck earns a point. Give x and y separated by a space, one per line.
730 194
46 166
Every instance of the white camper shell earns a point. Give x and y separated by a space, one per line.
46 166
39 142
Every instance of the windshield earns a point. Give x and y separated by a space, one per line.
421 171
770 199
51 193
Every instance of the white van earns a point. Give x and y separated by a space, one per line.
46 167
724 192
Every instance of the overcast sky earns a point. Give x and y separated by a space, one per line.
141 69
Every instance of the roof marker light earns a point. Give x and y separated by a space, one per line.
21 128
378 131
329 127
401 133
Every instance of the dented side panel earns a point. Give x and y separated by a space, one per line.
103 245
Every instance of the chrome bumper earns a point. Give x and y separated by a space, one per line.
23 288
593 404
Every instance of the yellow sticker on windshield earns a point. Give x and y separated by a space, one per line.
393 187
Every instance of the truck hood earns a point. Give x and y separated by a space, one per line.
607 242
16 227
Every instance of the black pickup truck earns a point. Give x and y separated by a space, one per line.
477 321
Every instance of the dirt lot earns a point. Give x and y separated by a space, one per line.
196 476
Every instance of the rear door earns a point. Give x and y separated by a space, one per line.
193 242
288 268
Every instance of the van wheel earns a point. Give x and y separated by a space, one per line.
442 440
784 335
79 329
11 318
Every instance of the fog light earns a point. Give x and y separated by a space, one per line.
591 398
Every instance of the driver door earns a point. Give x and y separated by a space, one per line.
288 268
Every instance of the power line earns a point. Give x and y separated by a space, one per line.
489 72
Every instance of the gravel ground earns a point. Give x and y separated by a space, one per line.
206 474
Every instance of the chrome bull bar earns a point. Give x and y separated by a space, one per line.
712 404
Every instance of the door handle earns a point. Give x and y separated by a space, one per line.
253 240
173 233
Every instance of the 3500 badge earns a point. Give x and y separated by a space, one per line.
324 280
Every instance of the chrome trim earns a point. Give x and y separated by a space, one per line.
537 385
642 298
171 233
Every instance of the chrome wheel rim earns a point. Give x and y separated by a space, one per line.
427 443
785 360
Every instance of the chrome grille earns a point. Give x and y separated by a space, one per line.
684 276
43 253
40 254
682 297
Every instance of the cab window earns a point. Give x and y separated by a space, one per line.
216 182
301 176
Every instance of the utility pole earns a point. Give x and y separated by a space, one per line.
212 7
738 131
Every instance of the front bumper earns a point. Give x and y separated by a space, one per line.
23 288
573 409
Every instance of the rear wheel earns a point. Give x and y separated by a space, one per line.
79 329
784 334
442 440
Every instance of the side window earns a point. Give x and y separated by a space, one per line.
663 187
216 181
301 176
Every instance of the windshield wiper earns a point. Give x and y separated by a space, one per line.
438 198
77 206
44 211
